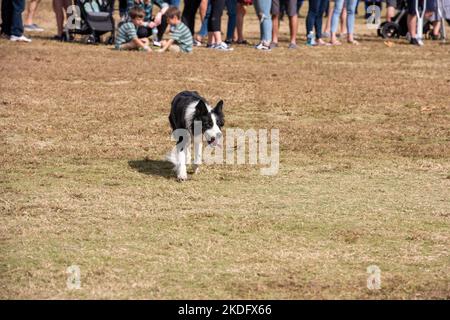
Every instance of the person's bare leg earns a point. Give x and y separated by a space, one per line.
217 36
211 38
174 48
390 13
129 46
202 12
412 25
31 10
293 28
203 7
58 8
240 22
436 27
329 16
275 28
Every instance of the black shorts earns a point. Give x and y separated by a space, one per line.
430 6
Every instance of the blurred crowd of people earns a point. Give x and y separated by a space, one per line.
144 23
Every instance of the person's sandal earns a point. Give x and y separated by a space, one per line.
244 42
321 43
335 43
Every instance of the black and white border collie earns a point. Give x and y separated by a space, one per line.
189 108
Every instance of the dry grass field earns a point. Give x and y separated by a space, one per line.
364 172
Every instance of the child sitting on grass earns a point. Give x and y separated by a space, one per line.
127 38
181 37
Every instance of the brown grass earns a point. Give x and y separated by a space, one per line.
364 177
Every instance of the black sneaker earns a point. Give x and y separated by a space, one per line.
58 38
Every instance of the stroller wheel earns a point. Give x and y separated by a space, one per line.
90 39
379 29
390 30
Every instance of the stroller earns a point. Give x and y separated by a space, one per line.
91 18
398 27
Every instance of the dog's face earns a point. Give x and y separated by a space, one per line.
212 121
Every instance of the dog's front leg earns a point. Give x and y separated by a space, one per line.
181 169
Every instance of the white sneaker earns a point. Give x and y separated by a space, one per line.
262 46
223 47
22 38
156 43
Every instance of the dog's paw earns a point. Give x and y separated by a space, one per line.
182 177
181 173
196 169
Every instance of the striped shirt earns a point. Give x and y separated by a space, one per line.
182 37
126 33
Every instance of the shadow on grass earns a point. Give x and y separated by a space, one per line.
160 168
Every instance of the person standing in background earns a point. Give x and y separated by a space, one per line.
204 17
314 19
291 10
350 9
240 13
189 12
262 8
12 24
30 12
60 8
214 26
391 6
231 11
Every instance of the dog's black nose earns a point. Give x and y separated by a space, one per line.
212 140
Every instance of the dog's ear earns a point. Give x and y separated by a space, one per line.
201 108
218 108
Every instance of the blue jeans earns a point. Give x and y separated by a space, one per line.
204 28
174 3
231 10
262 8
351 7
12 24
315 14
